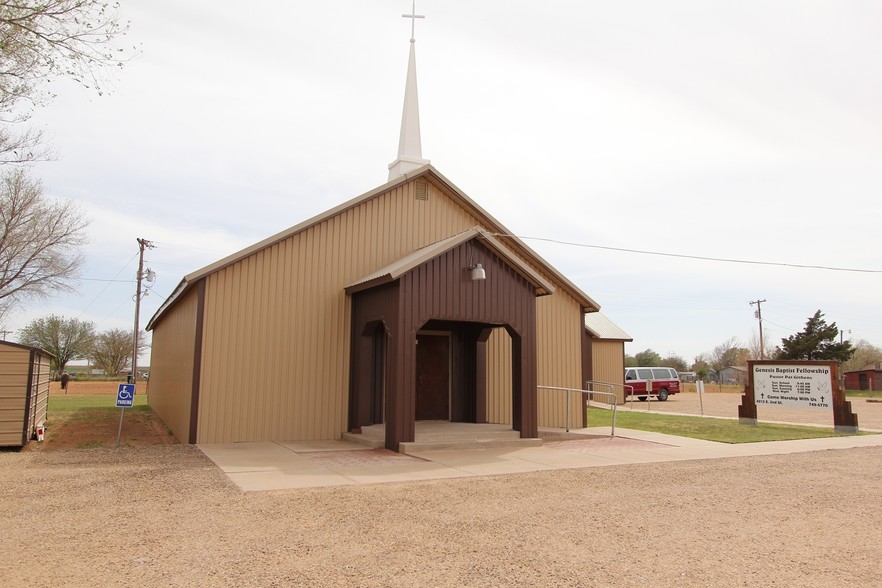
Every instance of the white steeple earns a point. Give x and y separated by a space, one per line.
410 151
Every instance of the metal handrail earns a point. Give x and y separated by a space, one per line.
569 392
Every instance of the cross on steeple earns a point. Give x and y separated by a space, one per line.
413 16
410 150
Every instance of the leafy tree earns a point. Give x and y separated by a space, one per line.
676 362
631 361
112 350
66 339
700 362
648 358
816 341
39 240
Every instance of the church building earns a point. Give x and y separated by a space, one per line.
408 303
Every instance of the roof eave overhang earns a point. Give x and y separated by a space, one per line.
439 180
394 271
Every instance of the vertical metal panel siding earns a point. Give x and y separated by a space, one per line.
499 377
277 323
40 378
14 362
559 349
608 362
504 298
171 370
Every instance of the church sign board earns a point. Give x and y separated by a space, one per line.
810 385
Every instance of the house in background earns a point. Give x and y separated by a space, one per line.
734 374
867 378
408 303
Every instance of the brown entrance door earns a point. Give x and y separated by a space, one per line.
433 378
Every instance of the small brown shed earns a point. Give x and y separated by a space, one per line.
24 392
867 378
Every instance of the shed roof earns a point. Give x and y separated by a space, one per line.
600 327
26 347
873 367
432 175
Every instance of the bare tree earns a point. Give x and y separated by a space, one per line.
728 353
41 40
112 350
754 351
39 240
865 354
47 39
24 147
66 339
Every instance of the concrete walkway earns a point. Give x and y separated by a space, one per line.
280 466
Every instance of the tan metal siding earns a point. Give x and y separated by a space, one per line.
41 374
171 370
13 388
499 380
608 364
276 342
24 392
559 342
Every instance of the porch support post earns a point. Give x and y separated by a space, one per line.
481 376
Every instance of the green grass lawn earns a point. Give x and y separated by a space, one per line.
863 394
710 429
81 406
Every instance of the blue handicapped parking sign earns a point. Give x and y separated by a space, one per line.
125 396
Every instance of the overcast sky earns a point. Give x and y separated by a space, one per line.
739 130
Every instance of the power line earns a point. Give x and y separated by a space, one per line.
699 257
101 293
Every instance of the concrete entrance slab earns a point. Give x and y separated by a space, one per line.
279 466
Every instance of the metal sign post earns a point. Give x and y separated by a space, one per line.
125 398
699 386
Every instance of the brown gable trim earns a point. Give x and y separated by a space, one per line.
27 415
183 286
400 267
197 365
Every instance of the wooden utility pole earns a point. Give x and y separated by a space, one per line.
142 244
759 316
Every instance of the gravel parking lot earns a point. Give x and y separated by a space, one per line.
166 516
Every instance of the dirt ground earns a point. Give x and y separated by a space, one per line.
166 516
93 429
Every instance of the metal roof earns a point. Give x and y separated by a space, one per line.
602 328
438 180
